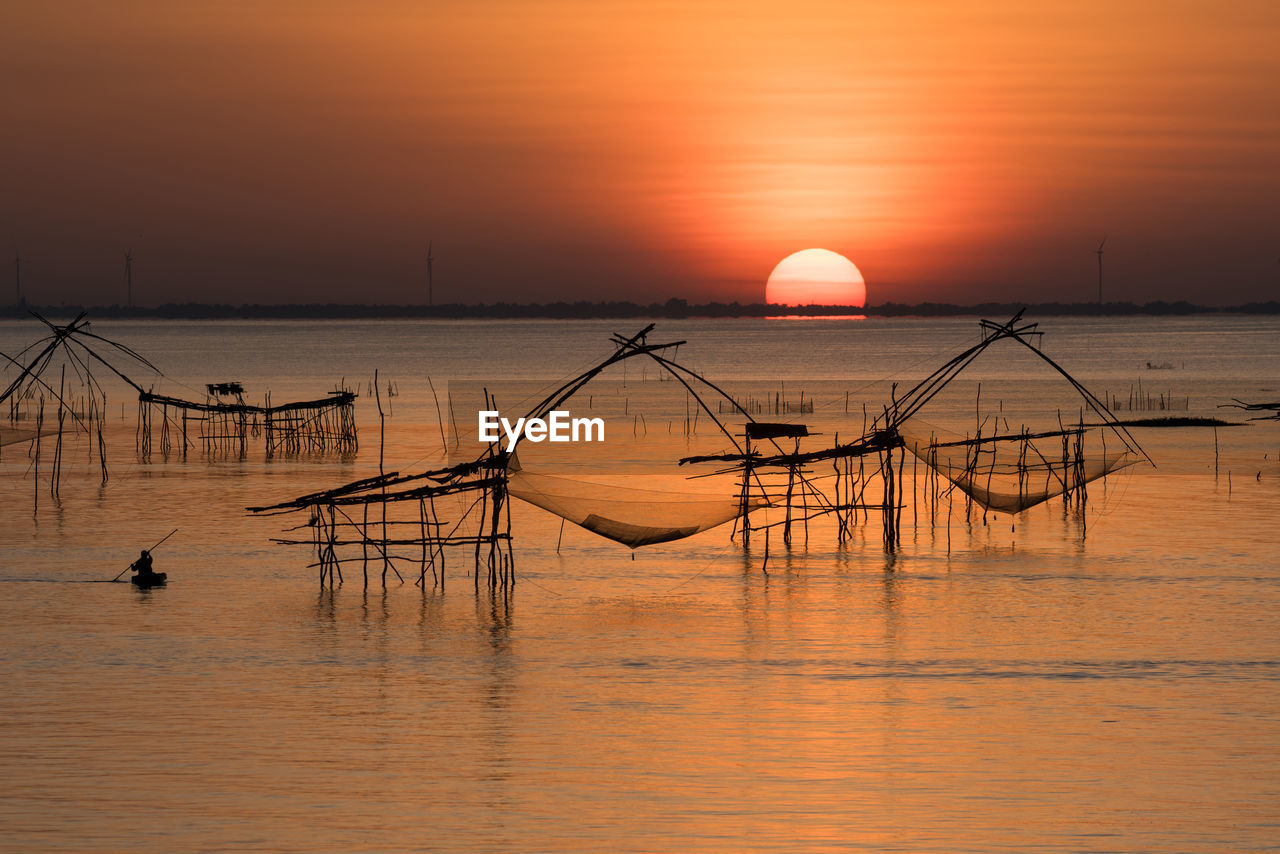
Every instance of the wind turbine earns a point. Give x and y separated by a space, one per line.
430 295
1099 251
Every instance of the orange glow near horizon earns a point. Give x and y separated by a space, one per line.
303 151
816 277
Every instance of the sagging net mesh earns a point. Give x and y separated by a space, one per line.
1014 472
1004 464
632 516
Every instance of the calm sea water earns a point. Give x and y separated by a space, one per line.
1043 683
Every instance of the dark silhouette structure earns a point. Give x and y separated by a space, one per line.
392 519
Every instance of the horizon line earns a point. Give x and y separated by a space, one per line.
671 308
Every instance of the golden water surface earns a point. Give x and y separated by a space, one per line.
1037 683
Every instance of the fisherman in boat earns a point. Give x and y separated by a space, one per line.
142 566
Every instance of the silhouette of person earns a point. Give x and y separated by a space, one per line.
142 565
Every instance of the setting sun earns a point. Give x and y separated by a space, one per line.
816 277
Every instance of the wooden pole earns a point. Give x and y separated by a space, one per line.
153 548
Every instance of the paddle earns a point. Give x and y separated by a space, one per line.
153 548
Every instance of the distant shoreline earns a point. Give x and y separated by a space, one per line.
674 308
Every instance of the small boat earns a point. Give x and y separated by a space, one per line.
154 579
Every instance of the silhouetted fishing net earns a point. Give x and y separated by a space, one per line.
1010 473
1003 465
18 435
631 516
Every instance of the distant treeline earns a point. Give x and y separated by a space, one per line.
672 308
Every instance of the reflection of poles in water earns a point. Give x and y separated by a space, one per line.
890 495
436 546
897 499
744 514
55 474
887 506
382 473
916 496
35 506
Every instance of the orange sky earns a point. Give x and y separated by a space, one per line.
640 150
